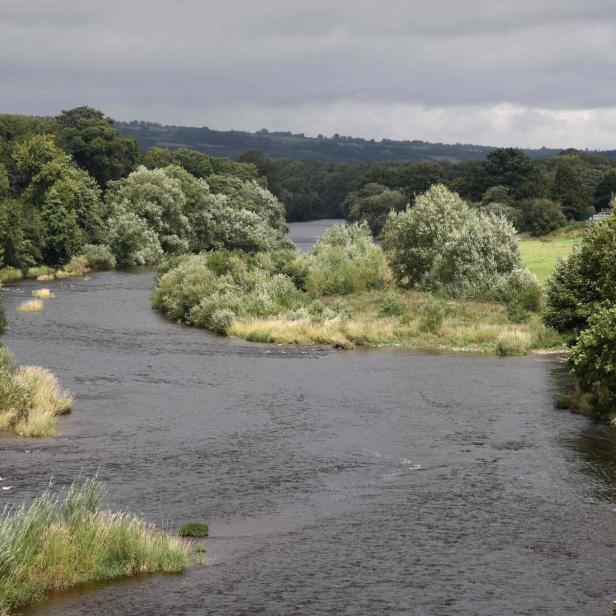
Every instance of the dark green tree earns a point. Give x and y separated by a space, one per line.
605 190
569 191
103 151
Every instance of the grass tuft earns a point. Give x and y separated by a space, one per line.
30 400
43 294
59 541
30 305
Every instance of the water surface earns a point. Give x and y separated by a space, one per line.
360 483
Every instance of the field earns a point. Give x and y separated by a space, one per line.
542 254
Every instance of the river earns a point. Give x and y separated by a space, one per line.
335 482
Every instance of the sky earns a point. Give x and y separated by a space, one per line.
528 73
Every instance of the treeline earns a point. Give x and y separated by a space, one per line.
297 146
535 195
74 185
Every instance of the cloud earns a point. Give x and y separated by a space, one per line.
479 71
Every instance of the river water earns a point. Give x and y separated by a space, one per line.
334 482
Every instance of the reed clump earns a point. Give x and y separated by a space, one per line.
31 305
30 399
60 540
43 294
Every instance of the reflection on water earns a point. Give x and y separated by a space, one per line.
368 482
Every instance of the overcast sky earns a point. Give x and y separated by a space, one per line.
493 72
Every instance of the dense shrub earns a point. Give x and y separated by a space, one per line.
441 244
542 216
392 305
99 256
585 280
212 289
345 260
372 204
593 359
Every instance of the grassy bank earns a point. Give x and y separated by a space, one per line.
541 254
420 322
30 399
60 541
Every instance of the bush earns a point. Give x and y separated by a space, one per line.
194 529
585 281
542 216
522 295
345 260
41 270
432 314
443 245
593 360
10 274
221 320
212 289
392 306
99 257
59 541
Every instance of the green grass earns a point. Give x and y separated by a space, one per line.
542 254
59 541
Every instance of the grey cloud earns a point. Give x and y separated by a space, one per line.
241 62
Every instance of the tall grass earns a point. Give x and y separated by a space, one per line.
30 400
60 540
43 294
10 274
30 305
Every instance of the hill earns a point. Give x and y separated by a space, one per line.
336 149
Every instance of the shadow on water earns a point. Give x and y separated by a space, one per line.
378 482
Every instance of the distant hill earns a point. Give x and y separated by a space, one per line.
336 149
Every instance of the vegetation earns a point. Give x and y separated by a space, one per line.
30 398
194 529
342 293
31 305
43 294
442 245
61 540
581 303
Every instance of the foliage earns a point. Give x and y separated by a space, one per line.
584 281
98 257
372 204
392 306
61 540
209 292
90 138
432 315
194 529
30 399
542 216
593 361
345 260
441 244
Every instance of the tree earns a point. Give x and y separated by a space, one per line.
593 359
103 151
585 280
372 204
156 198
568 191
605 190
441 244
542 216
510 167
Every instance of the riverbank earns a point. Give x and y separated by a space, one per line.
418 322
